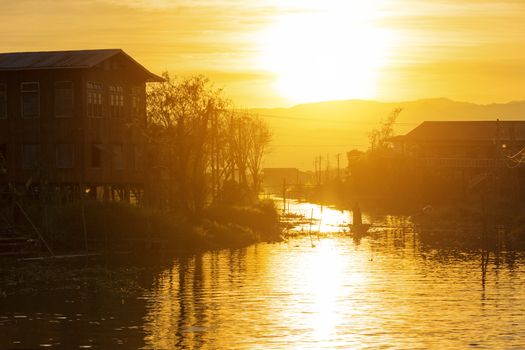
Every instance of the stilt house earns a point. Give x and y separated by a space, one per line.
73 118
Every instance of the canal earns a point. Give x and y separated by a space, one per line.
325 291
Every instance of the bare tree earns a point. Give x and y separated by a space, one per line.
379 137
259 136
201 142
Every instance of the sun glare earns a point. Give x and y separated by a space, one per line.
331 51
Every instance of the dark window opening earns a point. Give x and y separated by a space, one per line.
30 100
65 156
118 157
63 99
3 101
3 159
137 102
138 158
30 156
96 156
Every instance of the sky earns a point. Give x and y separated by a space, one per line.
278 53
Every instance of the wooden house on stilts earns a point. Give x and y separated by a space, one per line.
73 121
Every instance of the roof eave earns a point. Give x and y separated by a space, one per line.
41 68
153 78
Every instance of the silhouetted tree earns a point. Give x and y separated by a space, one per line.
379 137
259 137
200 142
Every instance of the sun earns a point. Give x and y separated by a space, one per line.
331 51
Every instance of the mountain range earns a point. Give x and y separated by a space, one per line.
303 132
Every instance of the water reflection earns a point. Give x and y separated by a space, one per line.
329 219
324 219
388 291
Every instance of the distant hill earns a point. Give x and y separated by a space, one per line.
308 130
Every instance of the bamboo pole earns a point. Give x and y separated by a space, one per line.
35 229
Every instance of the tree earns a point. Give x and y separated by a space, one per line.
379 137
200 142
180 113
259 137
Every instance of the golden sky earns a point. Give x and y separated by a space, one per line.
282 52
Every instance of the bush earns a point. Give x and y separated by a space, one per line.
229 235
117 226
262 218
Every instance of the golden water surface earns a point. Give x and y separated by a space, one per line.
386 291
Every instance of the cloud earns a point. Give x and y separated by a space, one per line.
440 39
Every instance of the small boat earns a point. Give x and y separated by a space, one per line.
359 229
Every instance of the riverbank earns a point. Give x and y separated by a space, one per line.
107 227
132 236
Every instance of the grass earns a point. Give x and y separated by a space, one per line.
33 278
113 226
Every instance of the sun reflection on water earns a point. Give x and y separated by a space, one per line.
324 281
383 293
325 219
387 292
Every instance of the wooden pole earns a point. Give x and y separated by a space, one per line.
311 218
35 229
284 196
338 155
84 227
327 167
320 220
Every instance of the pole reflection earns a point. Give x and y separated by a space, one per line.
387 291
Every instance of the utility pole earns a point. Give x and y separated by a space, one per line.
320 169
315 166
327 167
284 196
338 156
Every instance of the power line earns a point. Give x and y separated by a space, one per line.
304 118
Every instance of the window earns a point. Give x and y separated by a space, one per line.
138 157
65 156
96 156
116 101
3 152
63 99
30 156
136 101
3 101
94 99
30 100
117 157
3 159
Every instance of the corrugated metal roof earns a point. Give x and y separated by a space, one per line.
55 59
467 131
62 60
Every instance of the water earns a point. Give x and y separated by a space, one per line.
384 291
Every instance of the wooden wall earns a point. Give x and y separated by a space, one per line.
80 130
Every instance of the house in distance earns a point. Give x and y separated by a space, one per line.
463 144
466 154
73 119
